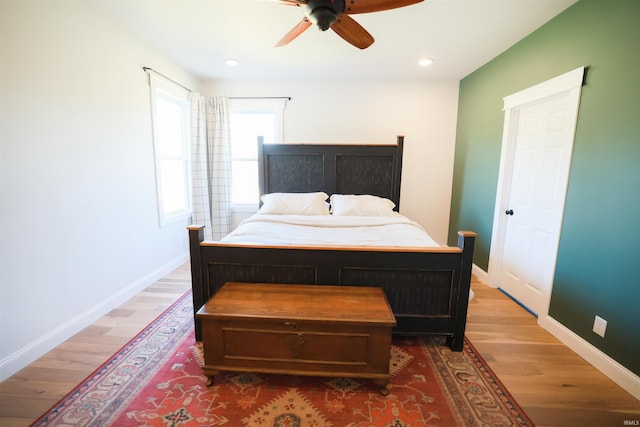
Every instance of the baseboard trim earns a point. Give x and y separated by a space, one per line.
481 274
30 353
605 364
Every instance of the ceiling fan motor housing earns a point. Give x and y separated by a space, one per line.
324 13
335 14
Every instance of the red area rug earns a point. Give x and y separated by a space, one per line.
156 380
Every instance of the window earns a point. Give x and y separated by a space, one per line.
250 118
170 114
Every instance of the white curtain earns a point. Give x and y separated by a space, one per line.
211 165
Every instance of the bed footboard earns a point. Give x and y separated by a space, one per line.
428 289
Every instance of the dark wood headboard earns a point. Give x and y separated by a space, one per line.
334 169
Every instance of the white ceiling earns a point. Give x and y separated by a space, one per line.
460 36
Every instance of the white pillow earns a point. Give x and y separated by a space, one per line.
361 205
295 204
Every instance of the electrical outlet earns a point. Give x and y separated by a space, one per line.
599 326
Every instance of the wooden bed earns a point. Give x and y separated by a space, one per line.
427 288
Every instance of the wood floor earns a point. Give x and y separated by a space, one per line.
553 385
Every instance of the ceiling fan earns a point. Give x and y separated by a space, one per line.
334 14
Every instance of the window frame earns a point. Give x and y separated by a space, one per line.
175 94
274 106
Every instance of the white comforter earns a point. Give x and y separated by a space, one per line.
330 230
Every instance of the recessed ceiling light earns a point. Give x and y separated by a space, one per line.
232 62
425 62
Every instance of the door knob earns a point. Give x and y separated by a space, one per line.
509 212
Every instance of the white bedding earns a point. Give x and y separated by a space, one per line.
330 230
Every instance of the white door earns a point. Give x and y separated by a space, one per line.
540 137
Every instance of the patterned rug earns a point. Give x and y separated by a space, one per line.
156 380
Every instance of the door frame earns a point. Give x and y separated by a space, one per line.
570 83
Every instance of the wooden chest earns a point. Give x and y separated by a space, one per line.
336 331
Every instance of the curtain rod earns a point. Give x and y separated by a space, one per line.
162 75
288 98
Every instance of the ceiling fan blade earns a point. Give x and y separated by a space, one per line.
347 28
294 32
292 2
366 6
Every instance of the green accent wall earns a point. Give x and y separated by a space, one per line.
599 255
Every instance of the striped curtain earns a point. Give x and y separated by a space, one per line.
211 165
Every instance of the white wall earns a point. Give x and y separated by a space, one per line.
78 221
373 111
